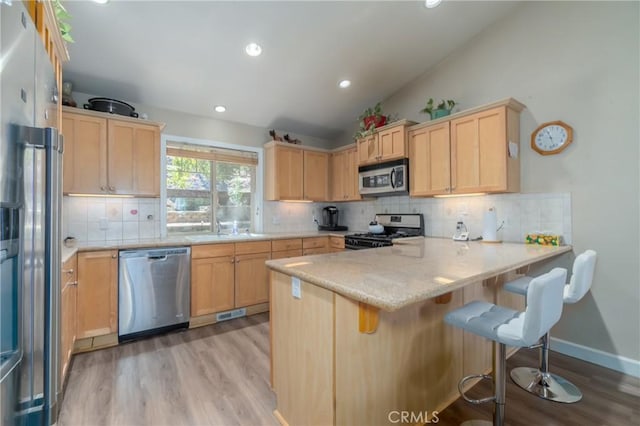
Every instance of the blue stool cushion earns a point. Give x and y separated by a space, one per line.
493 322
519 285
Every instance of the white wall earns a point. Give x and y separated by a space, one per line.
576 62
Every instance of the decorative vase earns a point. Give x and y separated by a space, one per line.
377 121
440 113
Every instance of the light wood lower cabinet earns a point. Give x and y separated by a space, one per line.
336 244
69 282
252 279
281 249
315 245
212 278
97 304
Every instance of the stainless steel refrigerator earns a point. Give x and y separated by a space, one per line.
30 205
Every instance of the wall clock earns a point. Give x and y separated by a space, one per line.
551 138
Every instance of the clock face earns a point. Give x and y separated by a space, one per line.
551 138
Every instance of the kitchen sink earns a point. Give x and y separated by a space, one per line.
218 237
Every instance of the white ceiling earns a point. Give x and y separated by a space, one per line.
189 55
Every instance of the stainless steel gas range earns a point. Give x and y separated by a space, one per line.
400 225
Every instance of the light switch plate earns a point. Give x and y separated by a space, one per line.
296 291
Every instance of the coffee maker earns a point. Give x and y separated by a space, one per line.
330 217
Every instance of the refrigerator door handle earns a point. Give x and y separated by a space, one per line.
39 137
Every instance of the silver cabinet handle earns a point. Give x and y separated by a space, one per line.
103 188
114 256
68 271
74 283
112 188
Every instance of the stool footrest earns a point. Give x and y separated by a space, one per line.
471 377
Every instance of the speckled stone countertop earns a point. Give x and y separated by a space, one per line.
391 278
192 240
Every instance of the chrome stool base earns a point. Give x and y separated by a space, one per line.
546 385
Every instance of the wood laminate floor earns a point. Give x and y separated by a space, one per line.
219 375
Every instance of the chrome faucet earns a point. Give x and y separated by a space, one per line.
218 226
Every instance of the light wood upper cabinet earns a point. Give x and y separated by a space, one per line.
85 154
429 160
105 156
283 172
343 175
316 176
134 159
386 144
97 304
468 153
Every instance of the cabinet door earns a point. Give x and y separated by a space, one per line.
252 279
212 283
368 149
97 293
316 168
288 173
337 176
85 154
479 152
391 143
134 159
286 253
429 160
350 177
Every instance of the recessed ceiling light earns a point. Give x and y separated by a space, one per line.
344 84
101 1
253 49
432 3
220 108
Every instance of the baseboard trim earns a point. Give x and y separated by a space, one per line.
619 363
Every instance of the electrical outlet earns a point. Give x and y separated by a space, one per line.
296 291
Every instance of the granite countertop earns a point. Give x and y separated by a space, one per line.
391 278
192 240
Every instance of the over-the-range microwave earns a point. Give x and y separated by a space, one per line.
390 178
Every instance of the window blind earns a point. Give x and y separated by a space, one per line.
212 154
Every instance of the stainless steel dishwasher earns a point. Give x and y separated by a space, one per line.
153 291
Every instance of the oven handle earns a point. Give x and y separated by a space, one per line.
393 173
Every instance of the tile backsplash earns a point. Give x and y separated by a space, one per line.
100 220
521 213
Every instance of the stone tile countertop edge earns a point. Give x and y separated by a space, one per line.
391 278
185 241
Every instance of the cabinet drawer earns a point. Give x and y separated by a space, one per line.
336 242
315 242
211 250
317 250
286 253
281 245
253 247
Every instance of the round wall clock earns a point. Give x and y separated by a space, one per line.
551 138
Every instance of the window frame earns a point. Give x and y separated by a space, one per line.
259 174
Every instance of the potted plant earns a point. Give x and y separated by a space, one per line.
370 120
441 110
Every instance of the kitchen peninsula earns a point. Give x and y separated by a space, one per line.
358 336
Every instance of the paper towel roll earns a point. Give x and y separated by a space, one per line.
490 226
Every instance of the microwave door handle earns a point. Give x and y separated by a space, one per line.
393 172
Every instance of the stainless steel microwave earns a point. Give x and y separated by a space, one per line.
391 178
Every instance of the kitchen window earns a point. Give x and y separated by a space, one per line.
210 189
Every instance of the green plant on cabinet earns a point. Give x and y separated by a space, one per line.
442 109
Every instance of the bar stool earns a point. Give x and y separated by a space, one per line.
540 381
509 327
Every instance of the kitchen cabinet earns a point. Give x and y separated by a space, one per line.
430 160
336 244
386 144
281 249
68 297
467 152
315 245
97 303
295 173
316 176
212 278
252 276
110 156
343 172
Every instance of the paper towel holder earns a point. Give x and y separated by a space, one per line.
491 222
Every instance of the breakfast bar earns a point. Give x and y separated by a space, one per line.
358 337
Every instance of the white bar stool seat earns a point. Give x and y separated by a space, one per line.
510 327
540 381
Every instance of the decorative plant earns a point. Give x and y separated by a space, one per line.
369 120
62 16
442 109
